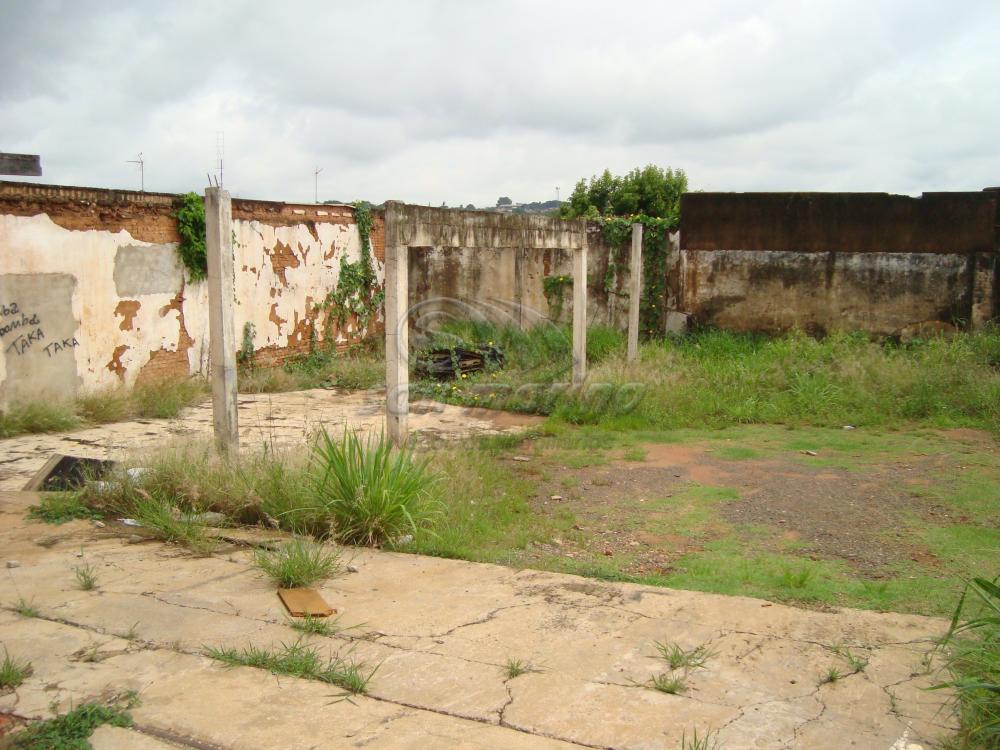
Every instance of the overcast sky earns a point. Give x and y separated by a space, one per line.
461 102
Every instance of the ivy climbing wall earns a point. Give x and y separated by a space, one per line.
93 292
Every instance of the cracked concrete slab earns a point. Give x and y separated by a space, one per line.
440 632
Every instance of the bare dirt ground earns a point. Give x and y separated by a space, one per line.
651 505
441 632
282 420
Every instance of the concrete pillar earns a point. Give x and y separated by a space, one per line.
984 290
580 308
634 292
397 346
221 327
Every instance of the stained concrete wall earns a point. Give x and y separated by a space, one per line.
885 264
92 293
487 265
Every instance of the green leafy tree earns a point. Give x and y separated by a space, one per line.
650 191
503 200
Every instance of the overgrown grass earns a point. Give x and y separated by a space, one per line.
61 507
679 658
717 378
374 493
972 646
72 730
298 563
13 672
38 416
161 399
298 660
360 366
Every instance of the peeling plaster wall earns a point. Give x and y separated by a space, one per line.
88 301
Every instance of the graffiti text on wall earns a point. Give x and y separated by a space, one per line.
28 332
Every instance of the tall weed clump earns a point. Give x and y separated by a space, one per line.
973 659
373 494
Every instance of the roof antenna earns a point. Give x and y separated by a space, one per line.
142 171
220 149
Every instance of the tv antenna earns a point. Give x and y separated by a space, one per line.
316 184
220 150
142 171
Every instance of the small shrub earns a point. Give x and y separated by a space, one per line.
516 667
374 493
299 563
168 524
86 577
13 672
677 658
668 683
25 608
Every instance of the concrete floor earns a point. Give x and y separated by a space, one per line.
284 420
441 631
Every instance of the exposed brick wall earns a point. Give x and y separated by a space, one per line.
148 217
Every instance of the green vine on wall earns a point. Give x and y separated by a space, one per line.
191 227
554 288
357 291
617 231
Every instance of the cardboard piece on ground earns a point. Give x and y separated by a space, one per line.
305 602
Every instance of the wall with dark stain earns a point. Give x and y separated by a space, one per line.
885 264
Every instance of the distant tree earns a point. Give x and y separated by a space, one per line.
503 200
470 207
652 191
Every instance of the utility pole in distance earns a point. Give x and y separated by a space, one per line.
316 184
142 171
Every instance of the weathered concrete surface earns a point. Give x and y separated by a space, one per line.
279 420
441 632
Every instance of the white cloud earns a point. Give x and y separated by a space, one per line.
464 101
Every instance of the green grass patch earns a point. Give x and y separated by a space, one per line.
71 730
37 416
718 378
299 660
13 672
61 507
299 563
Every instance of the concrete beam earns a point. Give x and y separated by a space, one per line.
580 309
634 292
397 339
221 327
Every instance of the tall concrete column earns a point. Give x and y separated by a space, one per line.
397 340
221 327
634 292
580 308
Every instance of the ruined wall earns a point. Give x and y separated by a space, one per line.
479 273
92 293
481 264
886 264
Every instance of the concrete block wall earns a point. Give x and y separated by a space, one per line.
92 293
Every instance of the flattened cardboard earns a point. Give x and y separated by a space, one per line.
304 602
